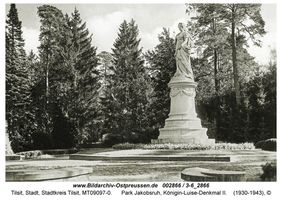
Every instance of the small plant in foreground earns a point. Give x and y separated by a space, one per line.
269 172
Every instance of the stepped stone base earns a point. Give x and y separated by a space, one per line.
152 157
46 174
202 174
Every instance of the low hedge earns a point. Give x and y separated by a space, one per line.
217 146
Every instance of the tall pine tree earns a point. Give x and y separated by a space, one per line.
239 16
18 114
71 79
52 85
83 109
126 98
162 67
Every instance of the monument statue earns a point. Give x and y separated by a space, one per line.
182 53
183 125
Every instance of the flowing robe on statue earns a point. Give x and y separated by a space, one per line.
182 56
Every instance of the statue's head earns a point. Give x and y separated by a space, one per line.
181 26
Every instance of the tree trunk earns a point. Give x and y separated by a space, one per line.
47 83
217 87
234 58
47 97
217 98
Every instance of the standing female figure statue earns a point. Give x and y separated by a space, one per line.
182 53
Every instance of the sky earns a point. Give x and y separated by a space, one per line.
103 21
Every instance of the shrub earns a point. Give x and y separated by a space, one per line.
63 134
127 146
42 141
140 136
132 137
111 139
46 153
30 154
269 172
269 144
20 143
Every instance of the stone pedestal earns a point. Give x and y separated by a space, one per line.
8 150
183 125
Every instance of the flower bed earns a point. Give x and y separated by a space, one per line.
217 146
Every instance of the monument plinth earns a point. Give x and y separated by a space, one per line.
183 125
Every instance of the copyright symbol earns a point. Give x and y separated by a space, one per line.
268 192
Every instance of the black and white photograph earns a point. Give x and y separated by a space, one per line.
181 93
